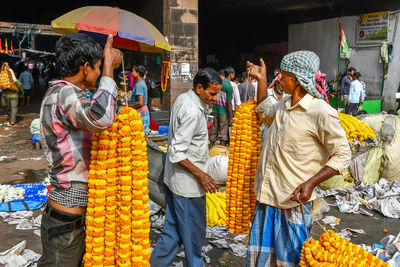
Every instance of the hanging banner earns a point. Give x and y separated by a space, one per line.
372 27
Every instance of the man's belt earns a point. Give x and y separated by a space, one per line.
72 223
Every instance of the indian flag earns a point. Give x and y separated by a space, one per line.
344 46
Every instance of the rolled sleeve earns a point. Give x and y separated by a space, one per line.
109 85
184 131
333 137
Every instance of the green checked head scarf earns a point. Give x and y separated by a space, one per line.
305 65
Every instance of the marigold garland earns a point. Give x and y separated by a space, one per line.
117 220
333 250
244 153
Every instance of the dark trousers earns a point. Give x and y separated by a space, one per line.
185 223
220 128
63 244
351 109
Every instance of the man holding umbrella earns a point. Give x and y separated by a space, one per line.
67 120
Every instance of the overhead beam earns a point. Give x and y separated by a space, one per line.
37 29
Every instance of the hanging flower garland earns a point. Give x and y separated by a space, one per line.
118 213
243 159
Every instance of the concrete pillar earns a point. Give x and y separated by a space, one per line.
180 25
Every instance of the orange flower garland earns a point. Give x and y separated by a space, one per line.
243 159
118 213
333 250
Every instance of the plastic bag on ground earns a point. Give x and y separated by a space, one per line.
320 206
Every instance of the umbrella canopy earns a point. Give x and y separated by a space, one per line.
129 30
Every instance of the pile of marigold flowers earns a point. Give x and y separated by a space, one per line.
117 220
356 130
333 250
244 153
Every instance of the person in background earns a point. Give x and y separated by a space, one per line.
364 86
230 75
36 76
275 94
139 96
345 85
11 97
67 121
149 83
246 89
35 131
222 112
185 215
276 77
304 146
356 96
254 82
26 79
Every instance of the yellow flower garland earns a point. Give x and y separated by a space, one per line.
244 153
118 213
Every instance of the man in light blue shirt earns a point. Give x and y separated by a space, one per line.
356 95
27 81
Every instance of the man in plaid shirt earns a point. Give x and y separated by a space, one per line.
67 120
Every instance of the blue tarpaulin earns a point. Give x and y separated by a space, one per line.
35 198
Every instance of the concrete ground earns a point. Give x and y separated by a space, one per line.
28 165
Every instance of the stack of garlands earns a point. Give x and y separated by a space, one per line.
215 208
244 152
356 130
117 220
333 250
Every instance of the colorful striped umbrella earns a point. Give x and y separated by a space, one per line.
129 30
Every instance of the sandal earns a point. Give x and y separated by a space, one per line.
10 124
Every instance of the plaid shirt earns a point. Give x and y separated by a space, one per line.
67 119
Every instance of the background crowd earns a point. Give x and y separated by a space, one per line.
237 89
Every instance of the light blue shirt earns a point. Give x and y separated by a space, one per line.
140 88
26 80
356 94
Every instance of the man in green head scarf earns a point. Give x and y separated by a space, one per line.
305 145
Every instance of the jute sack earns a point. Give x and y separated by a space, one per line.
387 130
391 157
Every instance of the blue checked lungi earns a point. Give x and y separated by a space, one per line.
277 236
145 116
